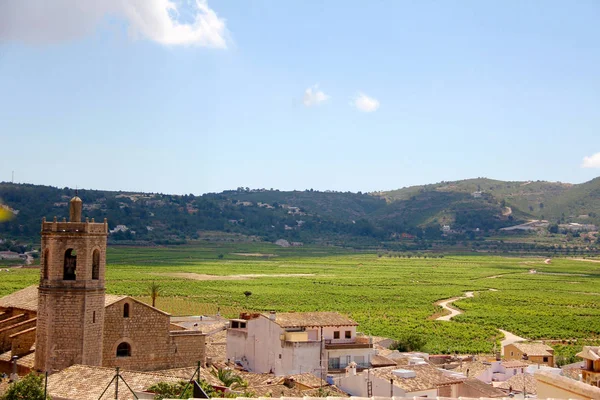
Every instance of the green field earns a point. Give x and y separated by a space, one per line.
388 296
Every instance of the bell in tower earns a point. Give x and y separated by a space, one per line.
71 292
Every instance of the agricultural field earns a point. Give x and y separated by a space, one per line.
388 295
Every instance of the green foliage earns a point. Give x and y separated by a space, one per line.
388 296
230 379
165 390
153 291
410 342
30 387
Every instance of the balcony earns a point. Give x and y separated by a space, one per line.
341 344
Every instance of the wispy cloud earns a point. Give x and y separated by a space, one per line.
365 103
43 21
313 96
592 161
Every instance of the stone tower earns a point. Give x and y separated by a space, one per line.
70 315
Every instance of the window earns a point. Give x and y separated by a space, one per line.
124 350
70 265
514 371
126 310
545 359
512 353
336 334
96 264
94 317
348 335
334 363
46 261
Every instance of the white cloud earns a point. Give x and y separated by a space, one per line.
313 96
592 161
43 21
365 103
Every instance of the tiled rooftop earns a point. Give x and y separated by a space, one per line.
299 319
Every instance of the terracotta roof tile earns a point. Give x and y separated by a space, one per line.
25 299
485 389
519 381
83 382
291 320
534 349
427 377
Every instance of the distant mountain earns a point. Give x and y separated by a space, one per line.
481 205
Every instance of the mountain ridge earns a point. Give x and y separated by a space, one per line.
478 204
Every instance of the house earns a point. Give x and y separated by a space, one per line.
9 255
422 380
534 352
119 228
293 343
477 194
590 373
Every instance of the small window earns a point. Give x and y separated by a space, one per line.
546 359
280 356
126 310
124 350
514 371
336 334
96 264
348 335
94 317
512 353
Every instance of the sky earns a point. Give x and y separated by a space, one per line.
195 97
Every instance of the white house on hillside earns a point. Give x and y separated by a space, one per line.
293 343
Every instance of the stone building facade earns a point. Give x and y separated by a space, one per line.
70 320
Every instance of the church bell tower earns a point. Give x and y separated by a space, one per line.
70 315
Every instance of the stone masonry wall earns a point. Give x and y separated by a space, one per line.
22 342
189 348
146 330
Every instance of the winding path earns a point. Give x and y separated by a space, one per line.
509 337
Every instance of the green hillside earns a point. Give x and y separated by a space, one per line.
480 206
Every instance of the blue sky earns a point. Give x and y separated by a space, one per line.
339 95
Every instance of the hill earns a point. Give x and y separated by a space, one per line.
475 205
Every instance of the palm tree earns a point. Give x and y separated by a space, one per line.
154 290
229 378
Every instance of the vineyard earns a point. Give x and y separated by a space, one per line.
388 296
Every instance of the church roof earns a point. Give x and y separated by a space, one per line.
27 299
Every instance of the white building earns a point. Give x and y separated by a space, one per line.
423 380
294 343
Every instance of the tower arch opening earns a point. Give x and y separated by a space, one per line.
70 265
96 264
45 264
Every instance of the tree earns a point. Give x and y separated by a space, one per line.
230 378
247 293
553 228
165 390
154 290
31 387
410 342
